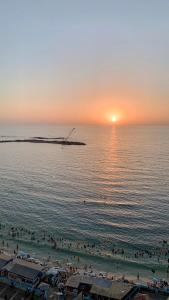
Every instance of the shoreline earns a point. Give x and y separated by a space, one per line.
80 266
67 265
60 279
117 260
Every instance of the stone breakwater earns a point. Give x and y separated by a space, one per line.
43 141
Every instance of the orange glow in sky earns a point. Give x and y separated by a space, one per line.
83 107
81 65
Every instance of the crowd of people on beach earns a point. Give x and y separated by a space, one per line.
158 255
161 252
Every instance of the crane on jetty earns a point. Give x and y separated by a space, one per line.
45 140
69 134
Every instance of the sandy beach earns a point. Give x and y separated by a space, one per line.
74 264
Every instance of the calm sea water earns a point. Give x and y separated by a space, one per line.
113 192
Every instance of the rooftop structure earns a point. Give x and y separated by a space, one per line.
22 273
4 259
117 291
103 288
75 280
26 267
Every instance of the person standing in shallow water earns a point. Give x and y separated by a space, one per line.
168 271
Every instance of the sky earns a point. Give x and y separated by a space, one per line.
87 62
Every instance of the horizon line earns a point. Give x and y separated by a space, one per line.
109 124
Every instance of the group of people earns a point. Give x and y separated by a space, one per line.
158 254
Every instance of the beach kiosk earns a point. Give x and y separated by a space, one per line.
23 274
99 288
4 260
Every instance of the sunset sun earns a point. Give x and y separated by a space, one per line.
114 119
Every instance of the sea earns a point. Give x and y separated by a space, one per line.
104 205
